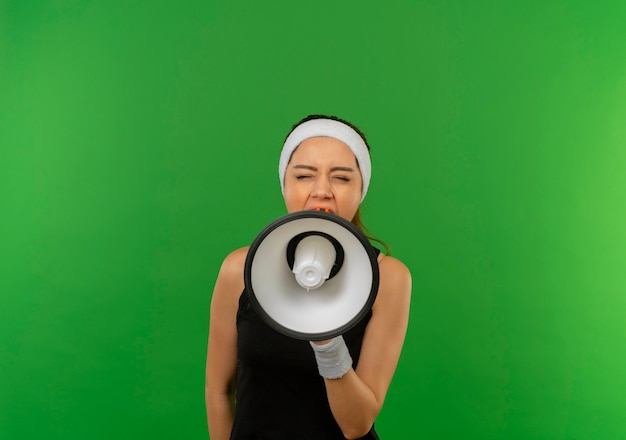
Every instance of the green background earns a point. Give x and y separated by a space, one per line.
139 144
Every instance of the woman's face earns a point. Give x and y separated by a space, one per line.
323 172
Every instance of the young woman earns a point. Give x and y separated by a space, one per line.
261 384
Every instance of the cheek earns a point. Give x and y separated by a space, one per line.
353 196
350 201
290 191
292 197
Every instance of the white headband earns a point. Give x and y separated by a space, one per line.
327 128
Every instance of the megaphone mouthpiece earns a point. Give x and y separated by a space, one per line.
314 259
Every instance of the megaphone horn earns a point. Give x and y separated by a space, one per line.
311 275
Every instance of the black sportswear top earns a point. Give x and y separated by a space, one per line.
280 394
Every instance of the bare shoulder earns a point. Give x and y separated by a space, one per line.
237 257
233 264
393 270
230 282
395 281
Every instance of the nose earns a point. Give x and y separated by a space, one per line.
322 189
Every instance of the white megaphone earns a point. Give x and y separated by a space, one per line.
311 275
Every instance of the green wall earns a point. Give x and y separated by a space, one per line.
139 145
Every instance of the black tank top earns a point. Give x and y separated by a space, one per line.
280 394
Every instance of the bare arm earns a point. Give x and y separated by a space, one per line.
221 366
357 397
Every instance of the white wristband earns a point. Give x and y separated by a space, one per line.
333 358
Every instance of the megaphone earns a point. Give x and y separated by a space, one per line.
311 275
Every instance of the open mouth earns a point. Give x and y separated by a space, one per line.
323 209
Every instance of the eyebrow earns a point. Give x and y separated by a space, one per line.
312 168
